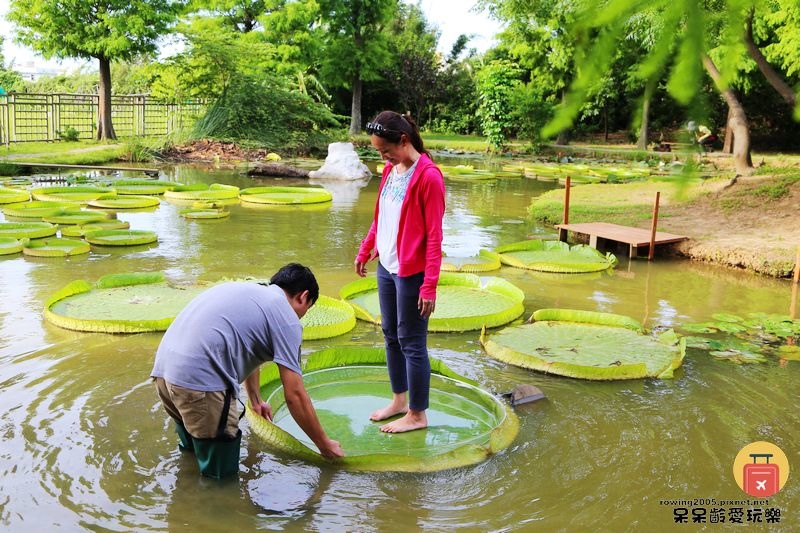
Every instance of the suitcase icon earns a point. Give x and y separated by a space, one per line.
761 480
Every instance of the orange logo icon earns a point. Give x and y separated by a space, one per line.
761 469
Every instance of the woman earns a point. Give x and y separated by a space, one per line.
406 235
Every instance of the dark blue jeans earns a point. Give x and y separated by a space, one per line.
406 336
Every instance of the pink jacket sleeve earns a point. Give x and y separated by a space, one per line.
434 194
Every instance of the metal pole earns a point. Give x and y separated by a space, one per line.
653 227
566 202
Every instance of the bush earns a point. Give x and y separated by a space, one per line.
69 134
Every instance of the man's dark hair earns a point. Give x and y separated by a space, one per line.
295 278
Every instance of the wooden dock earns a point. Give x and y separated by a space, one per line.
635 238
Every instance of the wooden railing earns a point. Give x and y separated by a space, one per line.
26 117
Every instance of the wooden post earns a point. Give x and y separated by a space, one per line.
653 226
566 202
797 267
793 306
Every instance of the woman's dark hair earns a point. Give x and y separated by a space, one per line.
390 124
295 278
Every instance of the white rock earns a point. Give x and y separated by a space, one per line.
342 163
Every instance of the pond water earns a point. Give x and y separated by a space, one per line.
86 445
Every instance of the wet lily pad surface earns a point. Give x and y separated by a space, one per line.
555 256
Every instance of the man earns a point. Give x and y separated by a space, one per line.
218 342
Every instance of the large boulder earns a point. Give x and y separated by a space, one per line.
342 163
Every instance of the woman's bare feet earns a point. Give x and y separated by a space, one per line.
388 412
411 421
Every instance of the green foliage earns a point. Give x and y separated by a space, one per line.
263 109
69 134
496 82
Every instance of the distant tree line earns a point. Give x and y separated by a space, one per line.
294 71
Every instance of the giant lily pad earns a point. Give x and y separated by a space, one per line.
37 209
55 247
70 194
10 245
216 191
328 318
119 303
587 345
12 196
205 213
80 230
285 195
76 216
464 302
555 256
125 202
467 424
30 230
120 237
485 261
143 187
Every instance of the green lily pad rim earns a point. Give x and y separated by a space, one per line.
135 237
325 331
300 195
500 438
604 261
492 258
31 230
55 247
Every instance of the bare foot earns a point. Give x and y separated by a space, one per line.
388 412
411 421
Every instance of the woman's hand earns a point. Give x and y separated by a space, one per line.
361 268
426 307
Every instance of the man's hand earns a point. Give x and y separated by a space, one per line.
331 449
262 409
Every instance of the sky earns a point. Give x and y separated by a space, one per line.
452 17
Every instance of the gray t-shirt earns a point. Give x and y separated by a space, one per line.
227 332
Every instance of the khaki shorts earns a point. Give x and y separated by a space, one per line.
199 412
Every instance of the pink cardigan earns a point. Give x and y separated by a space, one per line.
419 239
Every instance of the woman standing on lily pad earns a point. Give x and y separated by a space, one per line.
406 236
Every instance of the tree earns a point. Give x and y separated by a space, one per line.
10 80
105 30
356 45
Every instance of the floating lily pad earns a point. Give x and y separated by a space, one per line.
143 187
30 230
10 245
55 247
76 216
12 196
555 256
485 261
79 230
464 302
119 303
70 194
37 209
205 213
120 237
467 424
125 202
216 191
589 346
328 318
285 195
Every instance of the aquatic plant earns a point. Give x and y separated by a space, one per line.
555 256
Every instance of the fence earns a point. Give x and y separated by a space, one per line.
26 117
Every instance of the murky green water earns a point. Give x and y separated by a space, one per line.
86 446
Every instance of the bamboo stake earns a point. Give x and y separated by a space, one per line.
566 202
797 267
793 306
653 226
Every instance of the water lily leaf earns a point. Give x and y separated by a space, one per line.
789 352
205 213
286 195
37 209
13 196
729 327
738 357
464 302
76 216
328 318
70 194
143 187
120 237
201 191
55 247
586 350
485 261
587 317
125 202
10 245
30 230
704 327
119 303
80 229
467 424
727 317
555 256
